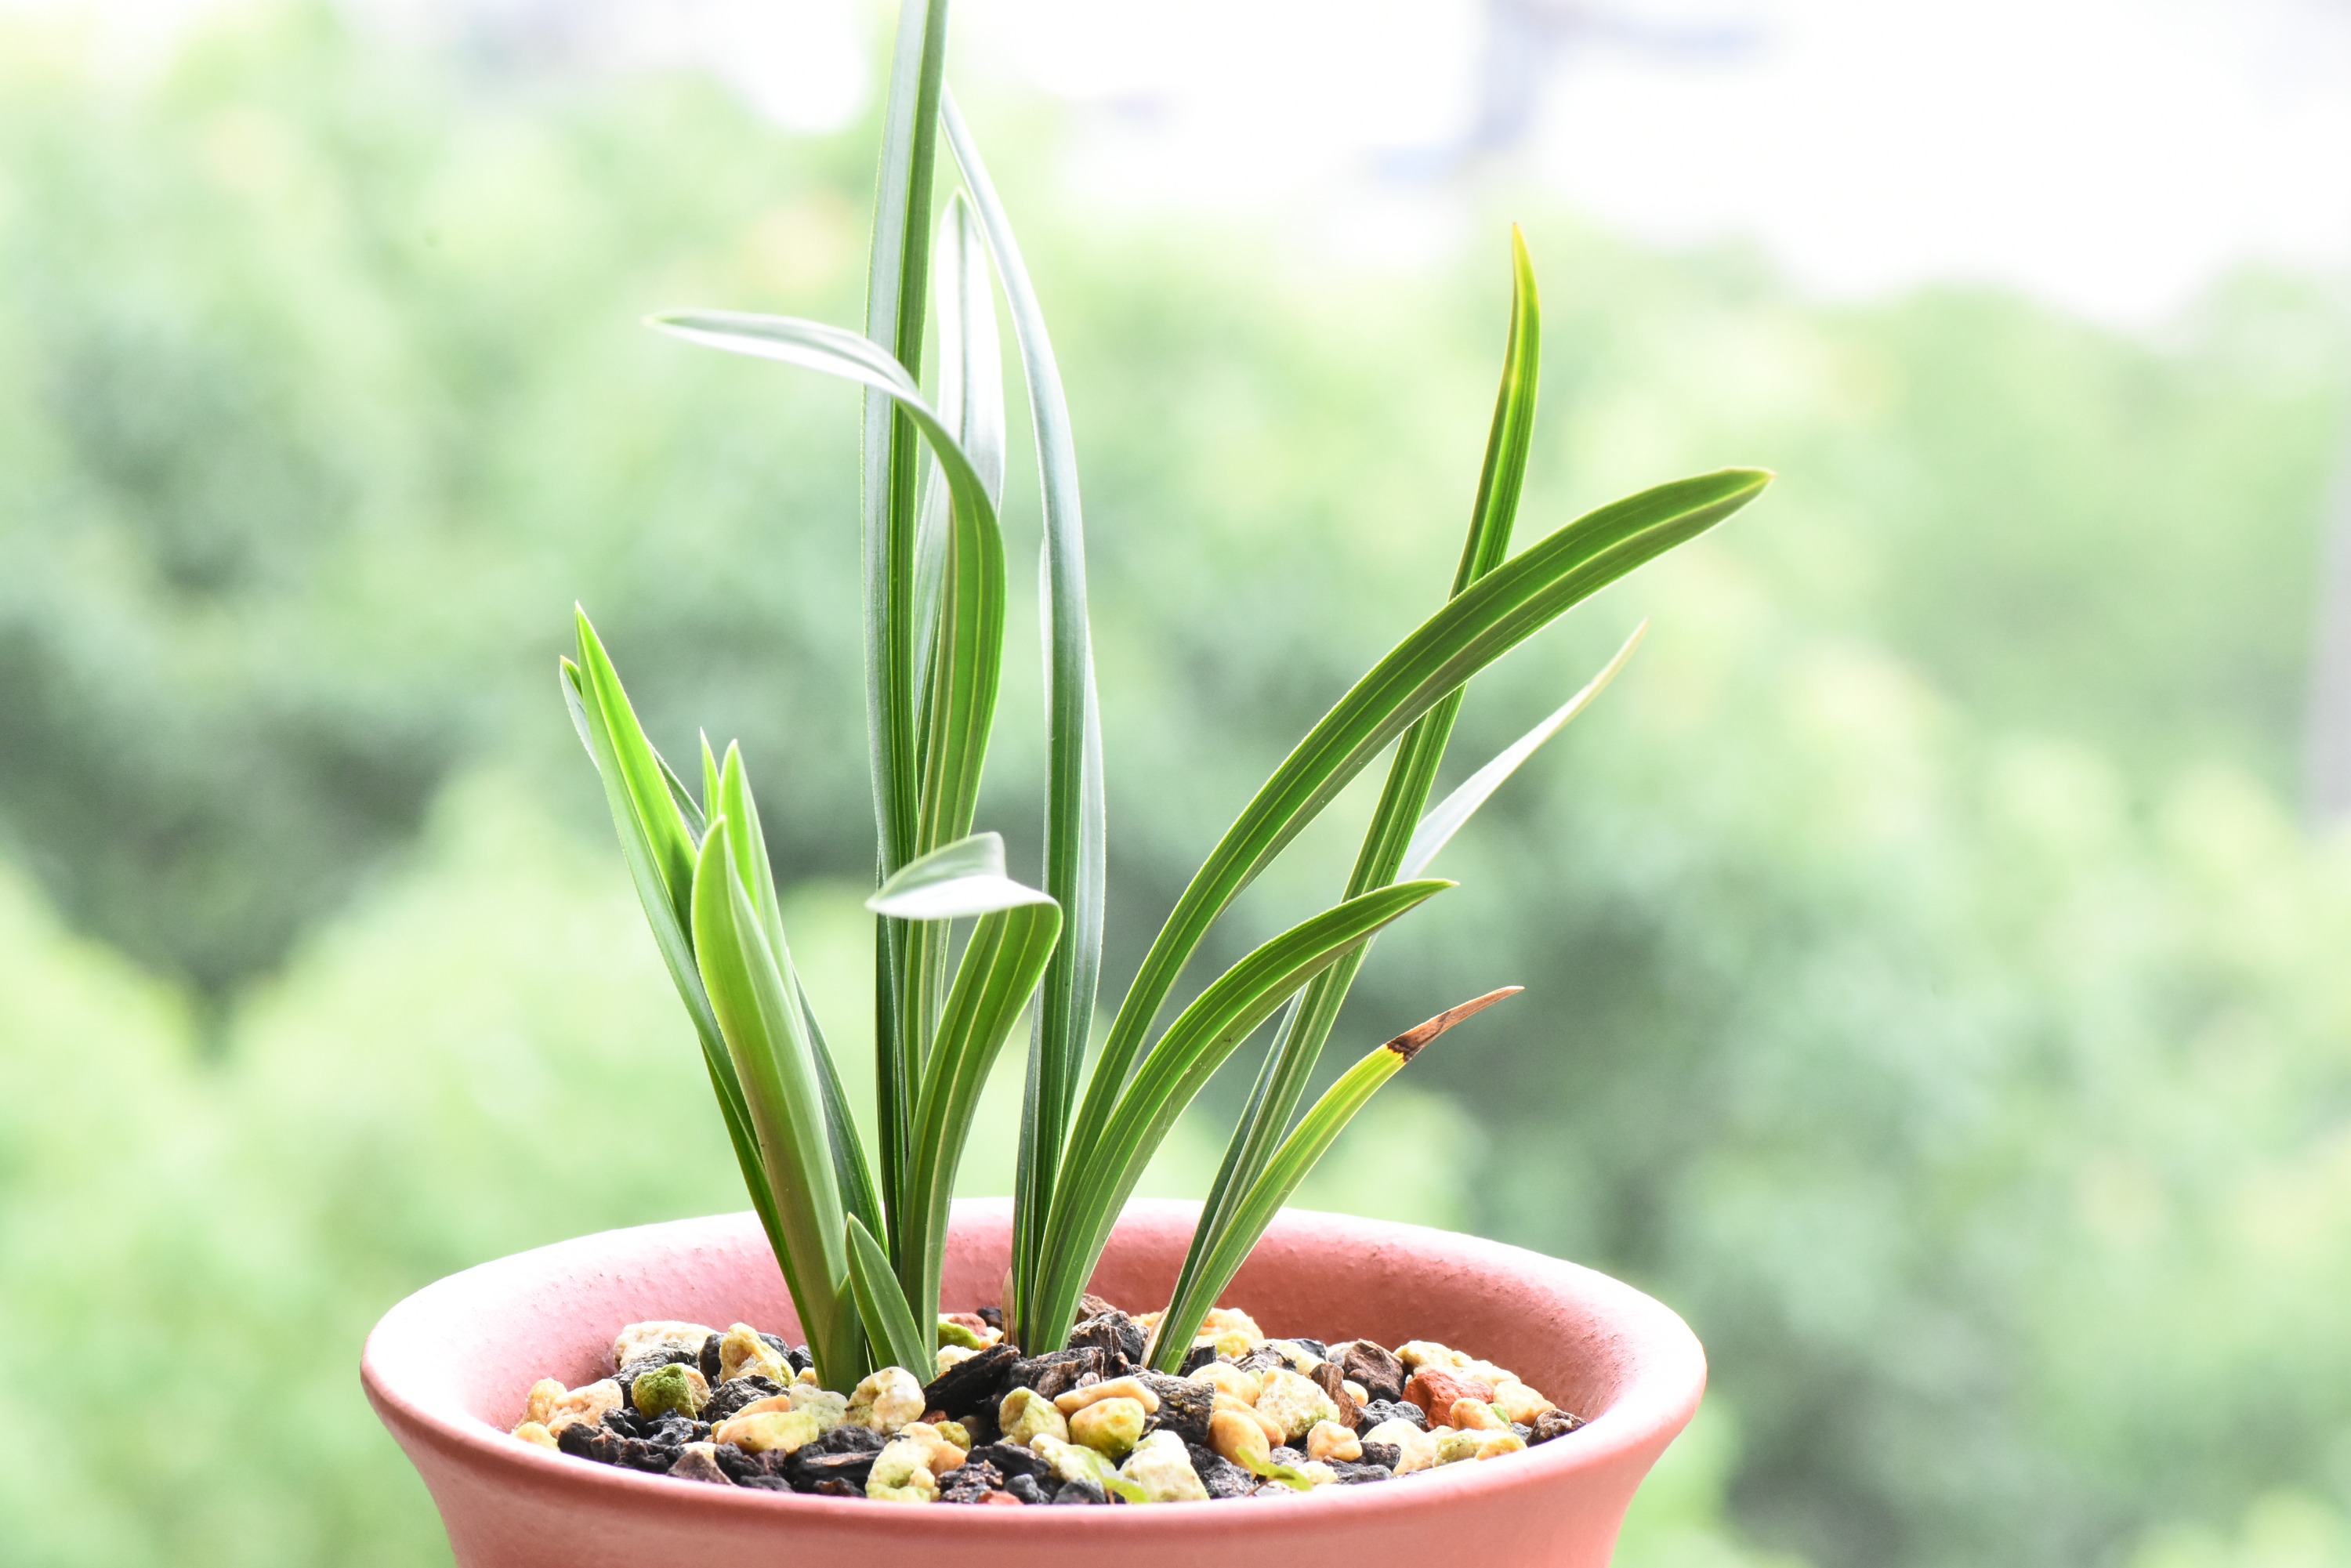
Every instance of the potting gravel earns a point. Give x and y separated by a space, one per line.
1251 1417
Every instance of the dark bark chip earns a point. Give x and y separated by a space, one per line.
970 1482
1554 1423
977 1384
1373 1368
1184 1406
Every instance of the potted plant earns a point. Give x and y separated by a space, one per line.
858 1339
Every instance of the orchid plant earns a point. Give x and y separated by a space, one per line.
963 949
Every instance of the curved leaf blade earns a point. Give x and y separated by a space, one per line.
762 1025
1230 1246
671 936
1436 830
964 878
889 1326
1478 626
1076 815
1298 1042
1001 966
965 668
1098 1176
898 281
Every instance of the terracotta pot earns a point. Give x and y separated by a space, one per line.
447 1370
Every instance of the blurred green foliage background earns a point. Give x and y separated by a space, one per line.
1932 992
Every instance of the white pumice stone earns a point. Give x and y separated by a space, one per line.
1226 1378
1330 1440
1416 1449
1162 1469
1025 1415
1416 1354
638 1341
743 1353
1073 1462
762 1430
831 1409
941 1453
1078 1398
1295 1404
1455 1445
1520 1401
902 1472
587 1403
1108 1426
887 1400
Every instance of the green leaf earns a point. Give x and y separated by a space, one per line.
970 402
1076 835
658 847
1230 1246
849 1170
967 665
964 878
999 971
898 281
1478 626
897 1339
1437 829
1098 1175
968 653
773 1058
1298 1040
670 933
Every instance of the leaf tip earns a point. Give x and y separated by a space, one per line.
1410 1042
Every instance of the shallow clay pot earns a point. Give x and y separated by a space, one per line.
447 1370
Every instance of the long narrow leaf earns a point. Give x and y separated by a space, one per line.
890 1325
854 1177
898 281
728 787
1288 1065
970 401
660 849
1478 626
672 938
960 708
971 609
999 971
761 1023
896 278
1076 834
1437 829
1099 1174
1254 1209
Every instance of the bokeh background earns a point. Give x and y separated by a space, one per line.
1937 944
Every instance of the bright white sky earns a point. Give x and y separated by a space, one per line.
2113 156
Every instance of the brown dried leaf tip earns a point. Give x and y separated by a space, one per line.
1407 1044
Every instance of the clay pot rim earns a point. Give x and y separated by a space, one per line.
1662 1391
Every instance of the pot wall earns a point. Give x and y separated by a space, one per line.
448 1368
